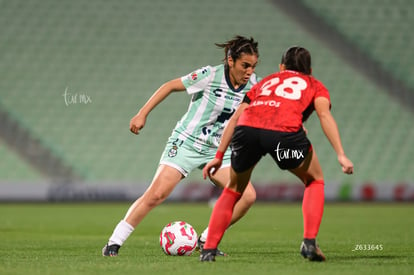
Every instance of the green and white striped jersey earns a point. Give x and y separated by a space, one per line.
213 102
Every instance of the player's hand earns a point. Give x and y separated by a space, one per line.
137 123
211 168
347 165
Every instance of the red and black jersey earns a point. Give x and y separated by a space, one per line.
282 101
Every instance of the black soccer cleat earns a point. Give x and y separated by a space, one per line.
200 246
110 250
208 255
311 251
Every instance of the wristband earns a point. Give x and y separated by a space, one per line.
219 155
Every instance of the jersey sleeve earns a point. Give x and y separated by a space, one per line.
251 95
197 81
322 91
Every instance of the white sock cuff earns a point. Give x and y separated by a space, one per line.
203 235
127 225
121 233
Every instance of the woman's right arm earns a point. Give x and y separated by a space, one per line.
138 121
330 128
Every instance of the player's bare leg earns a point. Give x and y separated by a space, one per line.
222 178
164 182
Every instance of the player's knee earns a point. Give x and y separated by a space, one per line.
309 181
155 199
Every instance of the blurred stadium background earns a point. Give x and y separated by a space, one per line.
74 72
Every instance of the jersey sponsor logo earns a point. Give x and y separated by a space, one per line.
220 93
271 103
217 92
194 75
222 118
216 135
206 131
225 115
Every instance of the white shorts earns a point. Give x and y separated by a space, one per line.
185 158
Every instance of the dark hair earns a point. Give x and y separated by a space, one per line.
297 59
237 46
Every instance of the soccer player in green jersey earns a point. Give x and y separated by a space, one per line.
216 92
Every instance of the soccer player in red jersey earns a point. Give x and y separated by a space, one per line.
270 121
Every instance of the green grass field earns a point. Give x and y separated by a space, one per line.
67 239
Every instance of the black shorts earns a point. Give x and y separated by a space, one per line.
250 144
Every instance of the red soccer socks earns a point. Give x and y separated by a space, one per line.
221 217
312 208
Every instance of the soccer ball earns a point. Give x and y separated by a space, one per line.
178 239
